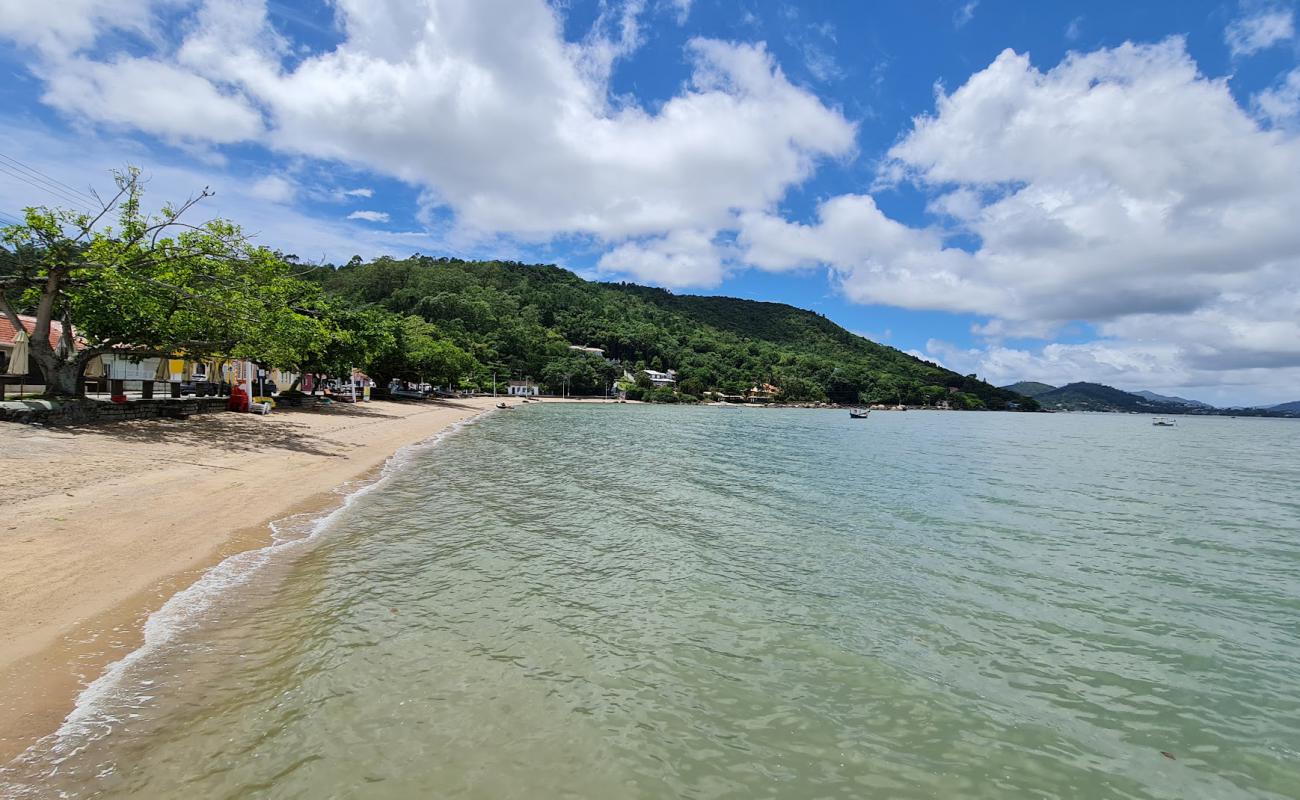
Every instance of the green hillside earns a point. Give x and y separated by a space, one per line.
1099 397
519 320
1029 388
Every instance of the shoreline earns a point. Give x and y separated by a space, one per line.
103 525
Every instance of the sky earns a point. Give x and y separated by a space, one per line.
1102 191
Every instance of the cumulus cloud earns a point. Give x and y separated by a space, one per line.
275 188
1121 187
1280 104
682 258
1261 30
152 96
73 25
524 140
369 216
84 163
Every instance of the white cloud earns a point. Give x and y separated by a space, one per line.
74 24
274 188
152 96
682 258
1259 31
1280 104
1121 188
85 162
523 140
965 14
683 10
359 192
1075 29
369 216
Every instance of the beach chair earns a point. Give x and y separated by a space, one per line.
259 408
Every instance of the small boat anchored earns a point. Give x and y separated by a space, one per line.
1163 422
858 413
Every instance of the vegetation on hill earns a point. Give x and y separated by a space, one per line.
1289 408
1029 388
519 320
1172 399
1098 397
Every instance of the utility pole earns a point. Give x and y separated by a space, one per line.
494 383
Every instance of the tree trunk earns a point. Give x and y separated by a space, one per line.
63 378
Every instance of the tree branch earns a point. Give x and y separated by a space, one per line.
10 313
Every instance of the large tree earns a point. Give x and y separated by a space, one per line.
151 285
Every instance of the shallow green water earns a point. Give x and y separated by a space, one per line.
622 601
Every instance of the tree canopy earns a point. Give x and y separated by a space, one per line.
151 285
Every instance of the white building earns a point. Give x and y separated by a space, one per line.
661 378
521 389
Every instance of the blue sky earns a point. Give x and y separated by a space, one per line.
1043 191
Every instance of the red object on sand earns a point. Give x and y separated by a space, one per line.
238 399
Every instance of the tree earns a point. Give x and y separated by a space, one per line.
421 353
356 338
153 286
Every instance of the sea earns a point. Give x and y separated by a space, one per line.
631 601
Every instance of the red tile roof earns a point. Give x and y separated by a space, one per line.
8 332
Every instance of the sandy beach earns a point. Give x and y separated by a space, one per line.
100 525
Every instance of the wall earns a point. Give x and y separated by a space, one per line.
89 412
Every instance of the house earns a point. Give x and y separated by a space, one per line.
764 393
668 378
8 334
521 389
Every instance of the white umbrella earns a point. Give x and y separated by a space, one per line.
18 358
94 368
164 372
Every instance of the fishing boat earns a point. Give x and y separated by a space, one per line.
858 413
1163 422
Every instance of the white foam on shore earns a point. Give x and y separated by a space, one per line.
91 718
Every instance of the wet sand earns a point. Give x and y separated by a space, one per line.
100 525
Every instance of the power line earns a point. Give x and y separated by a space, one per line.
38 184
47 178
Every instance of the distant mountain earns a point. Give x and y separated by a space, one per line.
1099 397
1029 388
1292 408
1172 400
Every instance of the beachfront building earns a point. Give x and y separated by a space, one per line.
522 389
763 393
668 378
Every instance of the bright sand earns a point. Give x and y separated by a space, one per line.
100 525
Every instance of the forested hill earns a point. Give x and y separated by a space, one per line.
520 319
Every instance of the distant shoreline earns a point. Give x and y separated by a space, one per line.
104 524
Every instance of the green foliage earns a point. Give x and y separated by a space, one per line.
520 319
153 285
795 389
420 353
662 395
579 374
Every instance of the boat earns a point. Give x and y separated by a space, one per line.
858 413
1163 422
502 405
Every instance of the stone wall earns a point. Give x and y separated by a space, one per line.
90 412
